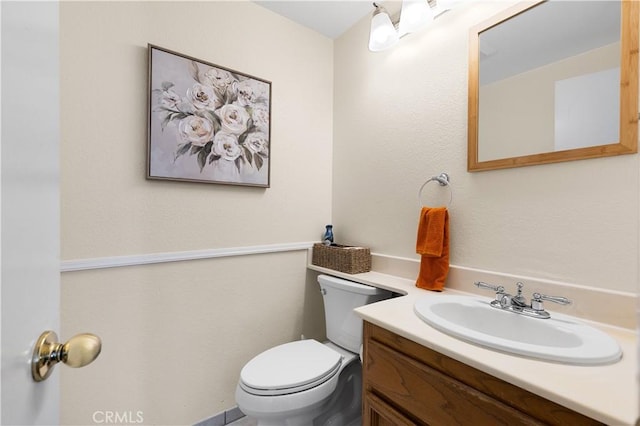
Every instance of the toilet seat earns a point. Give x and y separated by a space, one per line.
290 368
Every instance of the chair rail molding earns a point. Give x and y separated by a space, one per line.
145 259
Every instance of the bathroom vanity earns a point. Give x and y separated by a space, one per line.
406 384
415 374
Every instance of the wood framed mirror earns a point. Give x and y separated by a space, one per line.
537 95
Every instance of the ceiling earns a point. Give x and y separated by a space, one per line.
329 17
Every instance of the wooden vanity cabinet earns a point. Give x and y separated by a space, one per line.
408 384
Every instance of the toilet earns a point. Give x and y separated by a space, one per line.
307 382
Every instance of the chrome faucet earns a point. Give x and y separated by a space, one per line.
518 303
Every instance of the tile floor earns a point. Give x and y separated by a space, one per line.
244 421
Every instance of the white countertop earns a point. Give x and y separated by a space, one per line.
607 393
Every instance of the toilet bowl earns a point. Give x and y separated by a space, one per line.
307 382
286 394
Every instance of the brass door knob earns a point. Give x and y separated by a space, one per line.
79 351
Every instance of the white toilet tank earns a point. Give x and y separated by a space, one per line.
341 297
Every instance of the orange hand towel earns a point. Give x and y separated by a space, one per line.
432 244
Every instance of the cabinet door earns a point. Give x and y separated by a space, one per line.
431 396
379 413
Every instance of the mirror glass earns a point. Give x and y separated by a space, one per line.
553 81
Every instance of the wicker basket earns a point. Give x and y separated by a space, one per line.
352 260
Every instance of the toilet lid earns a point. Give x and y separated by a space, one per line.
289 368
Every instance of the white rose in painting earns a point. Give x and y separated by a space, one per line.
260 117
195 129
220 79
233 118
249 92
257 142
203 97
226 146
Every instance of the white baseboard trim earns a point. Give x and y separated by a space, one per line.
145 259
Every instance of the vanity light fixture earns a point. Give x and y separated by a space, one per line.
383 33
414 15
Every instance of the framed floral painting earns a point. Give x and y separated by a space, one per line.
207 123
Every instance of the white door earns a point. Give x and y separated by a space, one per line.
29 202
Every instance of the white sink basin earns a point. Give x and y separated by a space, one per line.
559 338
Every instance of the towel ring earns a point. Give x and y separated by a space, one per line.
443 179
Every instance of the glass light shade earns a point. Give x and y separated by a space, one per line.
415 15
383 34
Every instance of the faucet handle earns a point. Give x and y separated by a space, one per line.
500 294
496 288
536 302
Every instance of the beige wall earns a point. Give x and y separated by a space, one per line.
400 117
104 114
176 334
